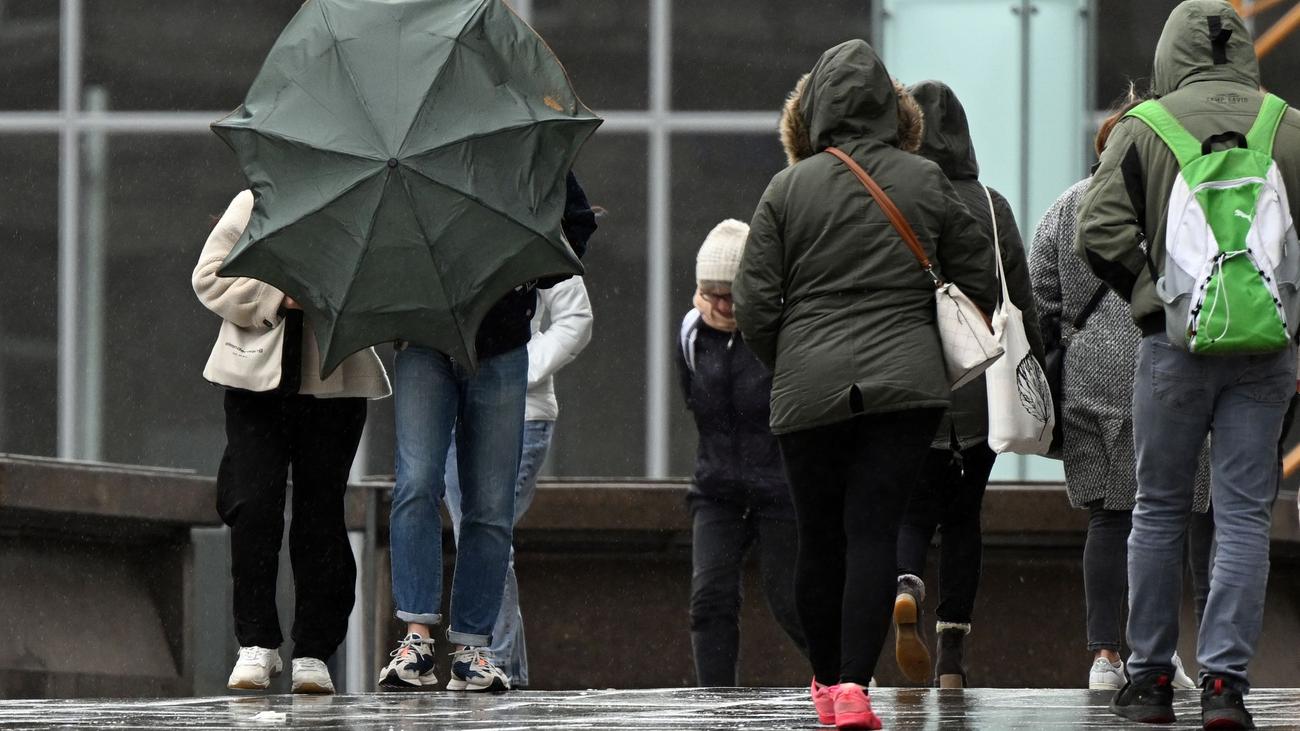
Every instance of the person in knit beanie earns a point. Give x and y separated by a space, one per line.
715 266
739 498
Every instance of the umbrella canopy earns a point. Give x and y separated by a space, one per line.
408 159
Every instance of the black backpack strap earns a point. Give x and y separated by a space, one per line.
1082 318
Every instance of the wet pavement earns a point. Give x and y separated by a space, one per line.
675 709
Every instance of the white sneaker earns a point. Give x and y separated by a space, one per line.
311 676
255 668
472 669
1106 675
1182 680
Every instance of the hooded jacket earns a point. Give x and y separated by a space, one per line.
947 142
828 296
1207 76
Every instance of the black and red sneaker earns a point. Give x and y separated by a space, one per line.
1222 705
1148 699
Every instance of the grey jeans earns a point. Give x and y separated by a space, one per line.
1177 398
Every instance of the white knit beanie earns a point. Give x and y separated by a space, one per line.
719 257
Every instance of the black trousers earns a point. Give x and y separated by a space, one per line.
851 481
722 535
266 434
949 497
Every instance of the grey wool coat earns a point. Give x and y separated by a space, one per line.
1097 388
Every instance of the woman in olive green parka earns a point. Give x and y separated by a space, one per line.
832 300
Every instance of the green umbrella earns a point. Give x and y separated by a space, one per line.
408 159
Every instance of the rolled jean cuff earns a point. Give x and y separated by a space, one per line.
414 618
1095 646
467 639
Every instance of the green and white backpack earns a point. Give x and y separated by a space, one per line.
1231 256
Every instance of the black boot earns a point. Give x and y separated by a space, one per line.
950 667
1222 705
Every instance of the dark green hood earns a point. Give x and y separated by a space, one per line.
1186 54
848 96
947 134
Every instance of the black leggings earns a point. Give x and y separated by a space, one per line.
949 497
851 482
1105 570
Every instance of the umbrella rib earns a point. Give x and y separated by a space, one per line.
424 98
322 206
276 135
374 126
460 332
503 130
352 280
479 201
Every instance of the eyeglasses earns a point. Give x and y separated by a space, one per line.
714 299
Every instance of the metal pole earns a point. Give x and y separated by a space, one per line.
1027 9
357 665
93 270
70 352
370 585
658 251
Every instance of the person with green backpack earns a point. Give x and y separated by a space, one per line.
1188 218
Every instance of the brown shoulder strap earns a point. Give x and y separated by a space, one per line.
895 216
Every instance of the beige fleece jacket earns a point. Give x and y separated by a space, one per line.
249 303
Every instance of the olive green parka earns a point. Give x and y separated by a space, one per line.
1209 80
828 295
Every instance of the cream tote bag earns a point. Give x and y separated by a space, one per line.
1021 416
252 359
969 345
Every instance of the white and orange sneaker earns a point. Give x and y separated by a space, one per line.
472 669
411 667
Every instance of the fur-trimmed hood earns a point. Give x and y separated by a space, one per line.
946 141
849 95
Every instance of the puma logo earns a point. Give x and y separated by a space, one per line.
1242 214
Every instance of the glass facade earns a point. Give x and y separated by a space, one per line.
28 293
29 55
111 175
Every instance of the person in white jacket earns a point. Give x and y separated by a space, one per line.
280 414
568 309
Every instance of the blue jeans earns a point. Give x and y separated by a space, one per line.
508 644
1177 398
434 398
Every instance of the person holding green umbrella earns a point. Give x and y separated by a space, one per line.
409 161
437 400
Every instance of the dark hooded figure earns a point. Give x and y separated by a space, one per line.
829 297
951 489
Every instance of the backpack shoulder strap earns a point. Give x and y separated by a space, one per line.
1261 134
686 338
1181 142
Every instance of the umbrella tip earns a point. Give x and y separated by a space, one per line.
392 162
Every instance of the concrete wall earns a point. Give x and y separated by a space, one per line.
100 595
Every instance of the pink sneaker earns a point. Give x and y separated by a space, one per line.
853 708
823 697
